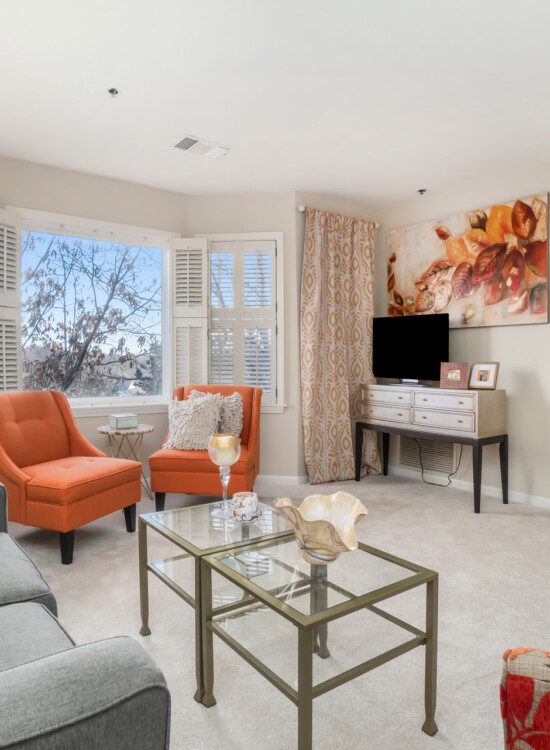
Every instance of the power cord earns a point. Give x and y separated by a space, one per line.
437 484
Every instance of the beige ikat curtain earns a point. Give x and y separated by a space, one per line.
336 340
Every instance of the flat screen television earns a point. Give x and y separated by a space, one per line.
410 348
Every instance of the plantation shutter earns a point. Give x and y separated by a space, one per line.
10 302
190 310
243 315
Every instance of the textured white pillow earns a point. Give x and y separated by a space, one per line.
231 412
191 422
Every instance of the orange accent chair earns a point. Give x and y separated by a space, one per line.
55 478
192 472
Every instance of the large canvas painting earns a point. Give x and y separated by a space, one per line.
486 267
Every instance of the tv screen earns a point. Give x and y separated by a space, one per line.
411 347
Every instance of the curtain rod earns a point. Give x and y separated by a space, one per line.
302 208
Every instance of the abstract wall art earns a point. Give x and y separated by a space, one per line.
484 267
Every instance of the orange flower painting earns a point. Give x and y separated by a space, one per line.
487 267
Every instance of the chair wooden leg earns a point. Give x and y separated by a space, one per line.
160 500
130 517
66 545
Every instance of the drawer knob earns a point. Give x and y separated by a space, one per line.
399 414
424 399
424 417
461 402
459 421
400 398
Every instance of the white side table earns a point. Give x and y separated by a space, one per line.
126 443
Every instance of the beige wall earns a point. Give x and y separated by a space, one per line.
523 351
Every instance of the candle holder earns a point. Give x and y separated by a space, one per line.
224 451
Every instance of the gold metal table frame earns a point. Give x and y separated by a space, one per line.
126 443
313 631
150 520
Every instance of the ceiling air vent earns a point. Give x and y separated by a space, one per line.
200 147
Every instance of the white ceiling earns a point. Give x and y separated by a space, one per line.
364 99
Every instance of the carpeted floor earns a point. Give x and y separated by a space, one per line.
493 594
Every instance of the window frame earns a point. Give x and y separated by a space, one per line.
279 406
73 226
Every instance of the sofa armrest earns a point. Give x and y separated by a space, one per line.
3 509
104 694
78 444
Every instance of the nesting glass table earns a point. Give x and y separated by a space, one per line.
197 532
306 628
310 628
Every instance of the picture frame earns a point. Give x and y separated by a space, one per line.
484 375
454 375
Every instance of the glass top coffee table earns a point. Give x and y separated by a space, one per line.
334 609
197 532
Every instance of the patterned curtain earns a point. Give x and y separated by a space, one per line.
336 342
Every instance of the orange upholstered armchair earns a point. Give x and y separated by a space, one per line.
192 472
55 478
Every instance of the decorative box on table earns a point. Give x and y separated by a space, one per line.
123 421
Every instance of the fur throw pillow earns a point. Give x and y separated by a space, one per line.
231 412
191 422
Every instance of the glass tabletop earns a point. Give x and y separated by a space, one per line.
196 528
278 570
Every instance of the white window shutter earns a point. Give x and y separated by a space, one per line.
189 302
10 302
190 278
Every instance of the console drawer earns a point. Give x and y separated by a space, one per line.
444 401
397 396
444 419
386 413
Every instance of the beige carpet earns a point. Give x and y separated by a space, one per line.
493 594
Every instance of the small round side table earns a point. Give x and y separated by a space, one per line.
126 443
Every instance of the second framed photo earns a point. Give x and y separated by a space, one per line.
483 375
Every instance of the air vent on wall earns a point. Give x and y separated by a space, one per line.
200 147
436 457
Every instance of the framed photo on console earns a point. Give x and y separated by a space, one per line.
483 375
454 375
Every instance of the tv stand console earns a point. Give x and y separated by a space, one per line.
475 418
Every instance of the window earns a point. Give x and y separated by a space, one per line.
91 315
243 314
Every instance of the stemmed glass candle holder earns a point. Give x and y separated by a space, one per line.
224 451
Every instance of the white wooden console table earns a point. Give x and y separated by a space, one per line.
475 418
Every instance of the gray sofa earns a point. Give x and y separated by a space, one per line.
56 695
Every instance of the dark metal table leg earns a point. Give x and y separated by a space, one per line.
385 452
305 689
503 452
477 449
199 669
143 579
208 699
430 677
358 450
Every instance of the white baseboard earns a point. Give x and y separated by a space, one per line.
486 489
279 479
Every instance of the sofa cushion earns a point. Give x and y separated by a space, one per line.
196 462
29 631
68 480
20 579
